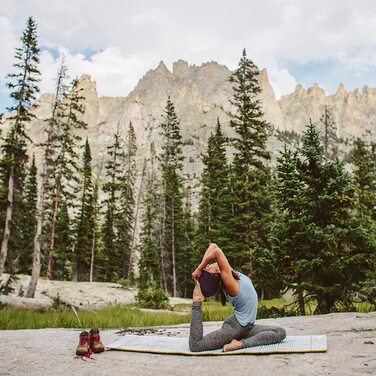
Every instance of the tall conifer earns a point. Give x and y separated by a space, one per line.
364 178
112 187
149 264
323 249
66 163
251 185
187 255
125 217
329 134
24 88
214 207
85 221
29 220
47 171
64 264
171 159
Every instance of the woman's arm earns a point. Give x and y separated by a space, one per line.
231 284
215 253
208 256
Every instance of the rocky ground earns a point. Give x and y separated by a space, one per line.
85 295
351 342
351 351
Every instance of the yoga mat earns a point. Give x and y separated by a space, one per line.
179 346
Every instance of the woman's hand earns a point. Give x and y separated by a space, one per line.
196 274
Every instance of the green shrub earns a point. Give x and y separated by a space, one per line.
21 292
57 303
7 288
152 296
125 283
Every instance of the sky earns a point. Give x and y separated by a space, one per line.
117 41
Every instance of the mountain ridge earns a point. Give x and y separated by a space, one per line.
201 94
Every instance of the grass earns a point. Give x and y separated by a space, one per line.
127 316
114 317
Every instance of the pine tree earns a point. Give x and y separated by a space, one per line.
125 217
251 185
84 222
64 259
66 163
29 220
287 233
215 206
187 256
47 172
113 167
171 163
364 179
329 134
94 246
149 264
323 250
24 88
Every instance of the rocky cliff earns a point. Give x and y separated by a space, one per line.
202 94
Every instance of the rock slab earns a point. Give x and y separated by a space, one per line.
351 351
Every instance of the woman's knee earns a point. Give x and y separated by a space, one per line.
281 333
194 346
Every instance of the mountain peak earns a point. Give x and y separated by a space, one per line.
162 68
316 90
180 68
341 90
264 75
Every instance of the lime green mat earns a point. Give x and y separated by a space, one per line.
179 346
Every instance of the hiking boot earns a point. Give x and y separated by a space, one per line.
83 346
95 343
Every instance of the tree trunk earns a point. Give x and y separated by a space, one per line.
36 257
162 245
92 258
8 219
301 303
50 266
173 250
133 245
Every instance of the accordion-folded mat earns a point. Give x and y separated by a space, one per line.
179 346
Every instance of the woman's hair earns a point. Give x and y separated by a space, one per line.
222 293
209 283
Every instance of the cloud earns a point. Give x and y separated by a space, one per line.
7 42
117 42
115 74
281 81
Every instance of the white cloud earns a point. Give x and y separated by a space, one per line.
115 74
282 81
7 43
127 38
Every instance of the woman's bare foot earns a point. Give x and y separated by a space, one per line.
197 294
233 345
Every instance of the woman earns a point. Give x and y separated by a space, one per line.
238 330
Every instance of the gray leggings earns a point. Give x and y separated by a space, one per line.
250 335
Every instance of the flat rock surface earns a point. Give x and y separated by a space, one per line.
85 295
82 294
351 351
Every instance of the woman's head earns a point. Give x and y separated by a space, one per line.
209 281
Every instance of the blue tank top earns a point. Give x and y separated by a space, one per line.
245 303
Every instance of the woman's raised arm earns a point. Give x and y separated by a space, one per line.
215 253
231 284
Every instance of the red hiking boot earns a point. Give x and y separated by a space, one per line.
96 344
83 347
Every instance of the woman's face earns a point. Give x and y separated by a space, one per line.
213 268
